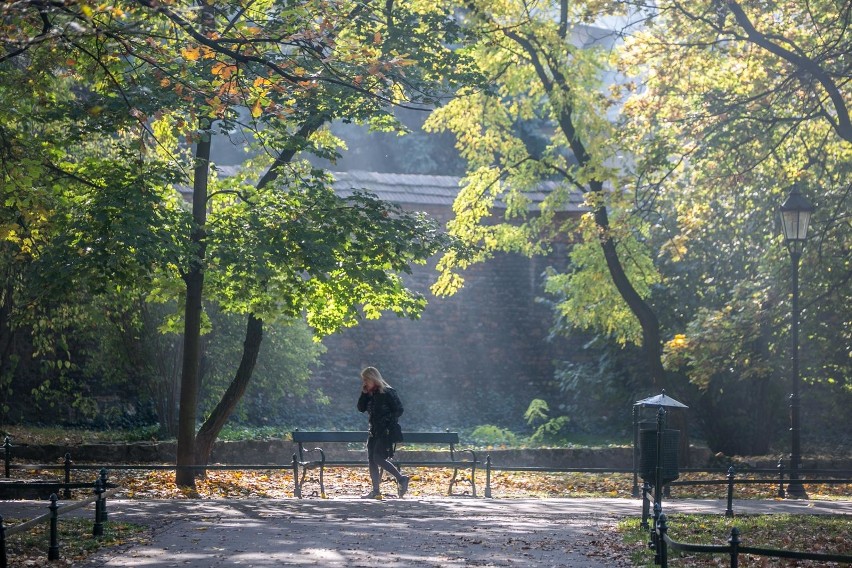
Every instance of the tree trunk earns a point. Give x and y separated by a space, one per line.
7 343
209 431
556 85
191 447
651 342
192 320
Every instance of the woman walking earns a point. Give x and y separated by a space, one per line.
383 406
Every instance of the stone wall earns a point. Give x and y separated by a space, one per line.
280 452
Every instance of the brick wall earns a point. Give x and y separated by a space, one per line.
478 357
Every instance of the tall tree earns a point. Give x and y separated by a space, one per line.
285 245
547 69
736 103
682 184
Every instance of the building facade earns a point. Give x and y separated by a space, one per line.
479 356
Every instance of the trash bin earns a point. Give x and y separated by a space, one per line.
649 461
668 460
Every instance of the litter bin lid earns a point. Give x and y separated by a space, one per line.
661 399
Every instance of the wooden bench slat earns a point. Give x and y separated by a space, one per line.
303 437
357 436
430 437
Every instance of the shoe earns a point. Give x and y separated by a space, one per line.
402 486
372 495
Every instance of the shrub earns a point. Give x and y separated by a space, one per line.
490 435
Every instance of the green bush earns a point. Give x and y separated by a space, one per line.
490 435
547 430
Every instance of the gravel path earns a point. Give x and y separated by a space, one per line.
441 532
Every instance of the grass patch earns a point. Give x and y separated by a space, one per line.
827 534
75 541
40 435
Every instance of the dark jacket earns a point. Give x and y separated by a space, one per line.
383 408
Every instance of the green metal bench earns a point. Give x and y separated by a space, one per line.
318 461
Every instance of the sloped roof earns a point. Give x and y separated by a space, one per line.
410 189
419 189
414 189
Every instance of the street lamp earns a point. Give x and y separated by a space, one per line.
795 216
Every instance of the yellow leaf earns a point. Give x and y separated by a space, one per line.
191 53
224 70
256 109
377 38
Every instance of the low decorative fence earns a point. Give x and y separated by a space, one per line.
731 480
728 478
661 543
52 518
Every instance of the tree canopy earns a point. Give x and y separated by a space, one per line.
141 88
683 125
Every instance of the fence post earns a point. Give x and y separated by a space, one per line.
104 515
7 451
66 493
297 491
488 476
734 541
645 505
729 512
53 549
663 528
781 492
655 544
635 491
658 470
98 528
2 543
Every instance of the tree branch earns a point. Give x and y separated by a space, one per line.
842 124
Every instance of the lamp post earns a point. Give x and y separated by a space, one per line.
795 216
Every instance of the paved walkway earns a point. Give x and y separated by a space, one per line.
445 532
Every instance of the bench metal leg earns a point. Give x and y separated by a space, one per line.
305 467
472 479
297 488
453 481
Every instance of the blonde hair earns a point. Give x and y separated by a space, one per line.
373 375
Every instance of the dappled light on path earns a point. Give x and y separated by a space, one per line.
350 532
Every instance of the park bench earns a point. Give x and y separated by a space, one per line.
318 461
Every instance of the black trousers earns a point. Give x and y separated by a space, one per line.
377 456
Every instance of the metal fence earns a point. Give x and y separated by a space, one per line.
52 518
661 543
728 478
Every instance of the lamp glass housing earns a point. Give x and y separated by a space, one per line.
795 217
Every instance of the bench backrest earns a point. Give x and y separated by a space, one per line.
304 437
301 437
